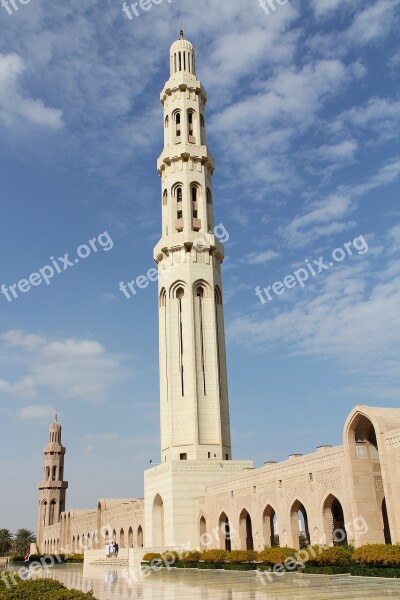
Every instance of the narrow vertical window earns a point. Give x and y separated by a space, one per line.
218 302
209 197
200 296
180 61
180 294
165 198
177 116
194 202
191 127
179 214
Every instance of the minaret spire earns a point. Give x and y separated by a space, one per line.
52 487
193 390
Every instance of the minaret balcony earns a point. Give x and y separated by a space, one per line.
53 485
184 151
179 224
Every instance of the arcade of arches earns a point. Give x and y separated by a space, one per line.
336 495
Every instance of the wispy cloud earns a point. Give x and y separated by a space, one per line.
69 368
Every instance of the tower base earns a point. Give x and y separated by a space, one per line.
172 492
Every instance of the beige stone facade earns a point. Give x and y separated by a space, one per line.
198 496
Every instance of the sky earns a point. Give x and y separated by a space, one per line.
302 119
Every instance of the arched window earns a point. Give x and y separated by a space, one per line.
191 117
47 472
202 130
166 123
165 198
54 473
178 292
177 119
209 197
218 295
195 193
178 193
163 298
140 537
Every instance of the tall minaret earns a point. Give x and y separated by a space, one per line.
52 488
194 393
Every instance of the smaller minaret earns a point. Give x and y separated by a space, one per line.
52 488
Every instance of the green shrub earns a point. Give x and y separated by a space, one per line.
335 556
190 557
214 557
242 556
274 556
355 570
75 558
378 555
38 589
151 556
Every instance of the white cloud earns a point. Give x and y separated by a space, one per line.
70 368
260 258
321 7
14 106
394 239
341 315
373 22
344 151
330 215
36 413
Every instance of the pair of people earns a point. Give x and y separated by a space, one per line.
112 549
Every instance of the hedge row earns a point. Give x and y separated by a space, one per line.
13 588
356 570
66 558
345 557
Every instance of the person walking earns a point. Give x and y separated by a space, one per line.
116 549
26 560
107 550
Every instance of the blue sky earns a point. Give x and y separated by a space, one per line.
302 119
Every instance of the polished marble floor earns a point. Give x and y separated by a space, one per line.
120 584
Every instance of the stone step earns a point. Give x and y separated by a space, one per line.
111 562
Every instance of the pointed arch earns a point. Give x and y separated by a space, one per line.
140 537
163 298
246 530
203 532
299 524
224 529
130 537
270 530
158 522
334 521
